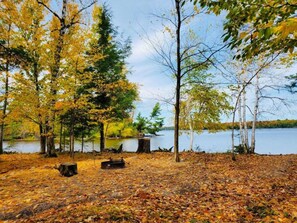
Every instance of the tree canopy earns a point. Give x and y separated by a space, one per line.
59 72
257 26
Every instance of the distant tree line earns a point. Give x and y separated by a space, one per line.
286 123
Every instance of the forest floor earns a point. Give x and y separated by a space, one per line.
151 188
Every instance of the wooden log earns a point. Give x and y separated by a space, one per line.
120 149
67 169
114 150
144 145
163 150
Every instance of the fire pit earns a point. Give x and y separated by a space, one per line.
113 164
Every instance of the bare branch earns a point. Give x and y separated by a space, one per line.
72 22
172 22
194 66
49 9
83 8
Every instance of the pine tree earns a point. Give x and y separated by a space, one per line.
111 94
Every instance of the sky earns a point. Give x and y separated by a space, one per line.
134 19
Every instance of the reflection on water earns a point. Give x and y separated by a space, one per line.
268 141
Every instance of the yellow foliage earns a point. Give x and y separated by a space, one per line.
286 27
242 35
97 10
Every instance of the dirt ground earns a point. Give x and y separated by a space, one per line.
151 188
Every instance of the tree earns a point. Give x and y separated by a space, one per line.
152 124
110 93
155 122
140 123
255 114
73 109
62 26
10 56
27 91
77 120
268 30
244 74
183 55
202 106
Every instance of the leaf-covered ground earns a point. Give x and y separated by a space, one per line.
152 188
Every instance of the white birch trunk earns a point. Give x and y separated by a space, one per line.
246 133
242 136
191 134
255 116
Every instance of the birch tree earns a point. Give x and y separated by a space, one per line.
247 71
202 106
255 114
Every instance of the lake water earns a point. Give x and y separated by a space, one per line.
268 141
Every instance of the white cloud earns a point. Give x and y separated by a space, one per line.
143 46
140 51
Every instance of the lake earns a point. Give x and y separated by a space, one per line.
268 141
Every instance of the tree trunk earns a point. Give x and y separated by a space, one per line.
50 143
102 137
37 89
144 145
82 143
5 102
246 132
191 134
240 122
55 69
3 115
61 136
71 143
64 140
1 138
255 116
232 133
233 123
42 139
178 81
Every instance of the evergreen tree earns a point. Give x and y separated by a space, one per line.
110 92
152 124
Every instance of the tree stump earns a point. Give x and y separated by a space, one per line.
68 169
144 145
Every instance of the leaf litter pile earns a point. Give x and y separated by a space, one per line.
151 188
